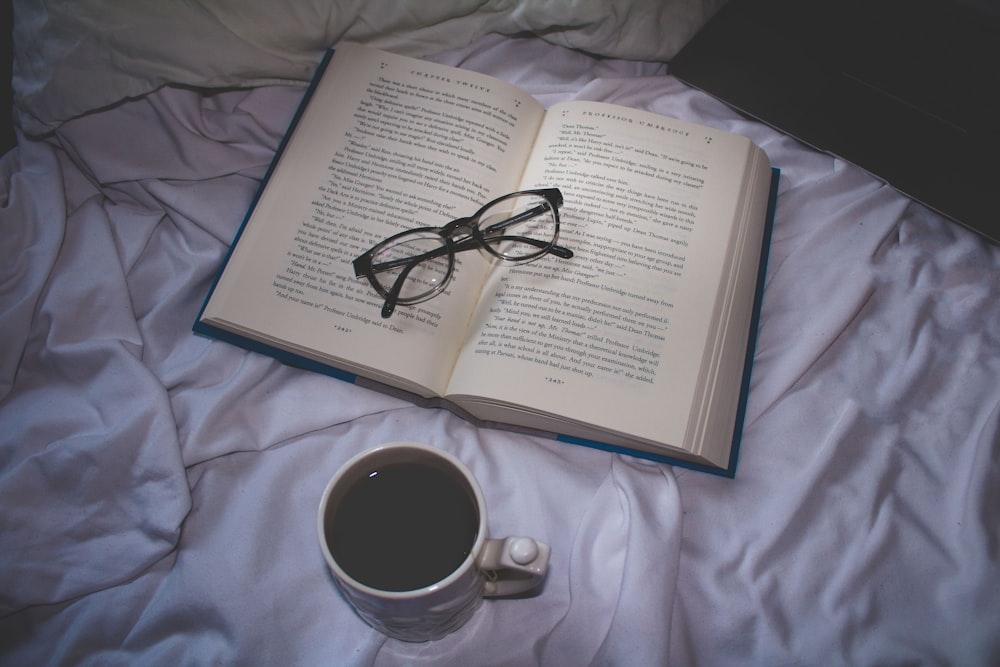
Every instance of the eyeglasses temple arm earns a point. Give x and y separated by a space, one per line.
557 250
389 307
396 263
520 217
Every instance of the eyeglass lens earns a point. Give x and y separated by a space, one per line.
424 278
519 227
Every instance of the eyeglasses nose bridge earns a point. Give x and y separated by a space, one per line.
468 223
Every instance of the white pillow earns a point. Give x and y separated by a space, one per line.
75 56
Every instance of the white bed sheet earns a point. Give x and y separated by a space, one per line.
159 489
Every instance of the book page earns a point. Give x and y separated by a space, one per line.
615 337
386 143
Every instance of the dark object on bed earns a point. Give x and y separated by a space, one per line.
905 89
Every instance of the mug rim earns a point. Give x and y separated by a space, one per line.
454 575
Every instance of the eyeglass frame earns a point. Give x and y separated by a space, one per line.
363 266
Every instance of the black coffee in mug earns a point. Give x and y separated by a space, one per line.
402 526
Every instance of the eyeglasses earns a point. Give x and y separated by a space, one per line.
415 265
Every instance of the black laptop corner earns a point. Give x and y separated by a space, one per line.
908 90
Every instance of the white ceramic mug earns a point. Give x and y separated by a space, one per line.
385 576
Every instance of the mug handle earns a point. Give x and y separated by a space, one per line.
513 565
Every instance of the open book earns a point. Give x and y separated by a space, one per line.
638 342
